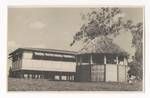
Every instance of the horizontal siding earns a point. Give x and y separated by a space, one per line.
43 65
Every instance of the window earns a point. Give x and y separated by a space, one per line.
56 77
53 56
111 59
98 59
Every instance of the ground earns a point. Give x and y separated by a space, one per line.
46 85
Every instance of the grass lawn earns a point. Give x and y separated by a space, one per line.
46 85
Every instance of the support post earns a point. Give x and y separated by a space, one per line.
125 63
80 60
76 60
68 77
60 77
117 60
28 75
105 62
117 69
91 59
23 75
73 77
32 75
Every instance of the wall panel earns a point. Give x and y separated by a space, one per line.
122 77
44 65
97 73
111 72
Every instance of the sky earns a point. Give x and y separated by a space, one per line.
54 27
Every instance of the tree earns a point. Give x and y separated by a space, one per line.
100 22
135 69
136 66
137 42
107 22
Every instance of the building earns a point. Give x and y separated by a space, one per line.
99 60
102 60
43 63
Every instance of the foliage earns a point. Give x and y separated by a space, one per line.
137 41
110 21
135 69
101 22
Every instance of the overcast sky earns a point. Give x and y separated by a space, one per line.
54 27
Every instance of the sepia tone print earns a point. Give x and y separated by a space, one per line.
75 49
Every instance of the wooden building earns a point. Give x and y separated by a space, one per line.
101 60
43 63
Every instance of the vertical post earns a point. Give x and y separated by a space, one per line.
80 59
60 76
71 77
91 59
37 76
28 76
32 75
76 60
67 77
91 63
125 63
105 62
23 75
117 60
125 73
117 69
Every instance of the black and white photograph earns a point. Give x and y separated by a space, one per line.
75 48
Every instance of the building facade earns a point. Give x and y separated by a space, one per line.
101 68
43 63
102 60
82 66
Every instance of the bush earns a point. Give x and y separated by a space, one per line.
136 69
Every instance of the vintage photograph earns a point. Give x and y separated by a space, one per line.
75 48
